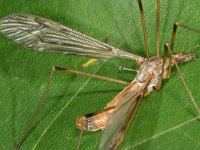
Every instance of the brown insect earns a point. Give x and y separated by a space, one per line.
44 35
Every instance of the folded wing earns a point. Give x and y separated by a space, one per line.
121 119
45 35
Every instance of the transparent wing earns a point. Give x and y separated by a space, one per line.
45 35
121 119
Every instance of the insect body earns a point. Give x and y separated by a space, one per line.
122 107
150 69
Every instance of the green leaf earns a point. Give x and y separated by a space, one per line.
166 119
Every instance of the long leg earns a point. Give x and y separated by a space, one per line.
30 123
89 75
158 86
55 68
176 25
144 28
168 48
158 28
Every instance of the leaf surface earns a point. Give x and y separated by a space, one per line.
166 119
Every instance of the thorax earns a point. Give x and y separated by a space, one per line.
151 69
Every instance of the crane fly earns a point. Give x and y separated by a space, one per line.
44 35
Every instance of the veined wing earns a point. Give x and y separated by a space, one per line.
121 119
45 35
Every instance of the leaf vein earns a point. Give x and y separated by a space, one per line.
163 132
